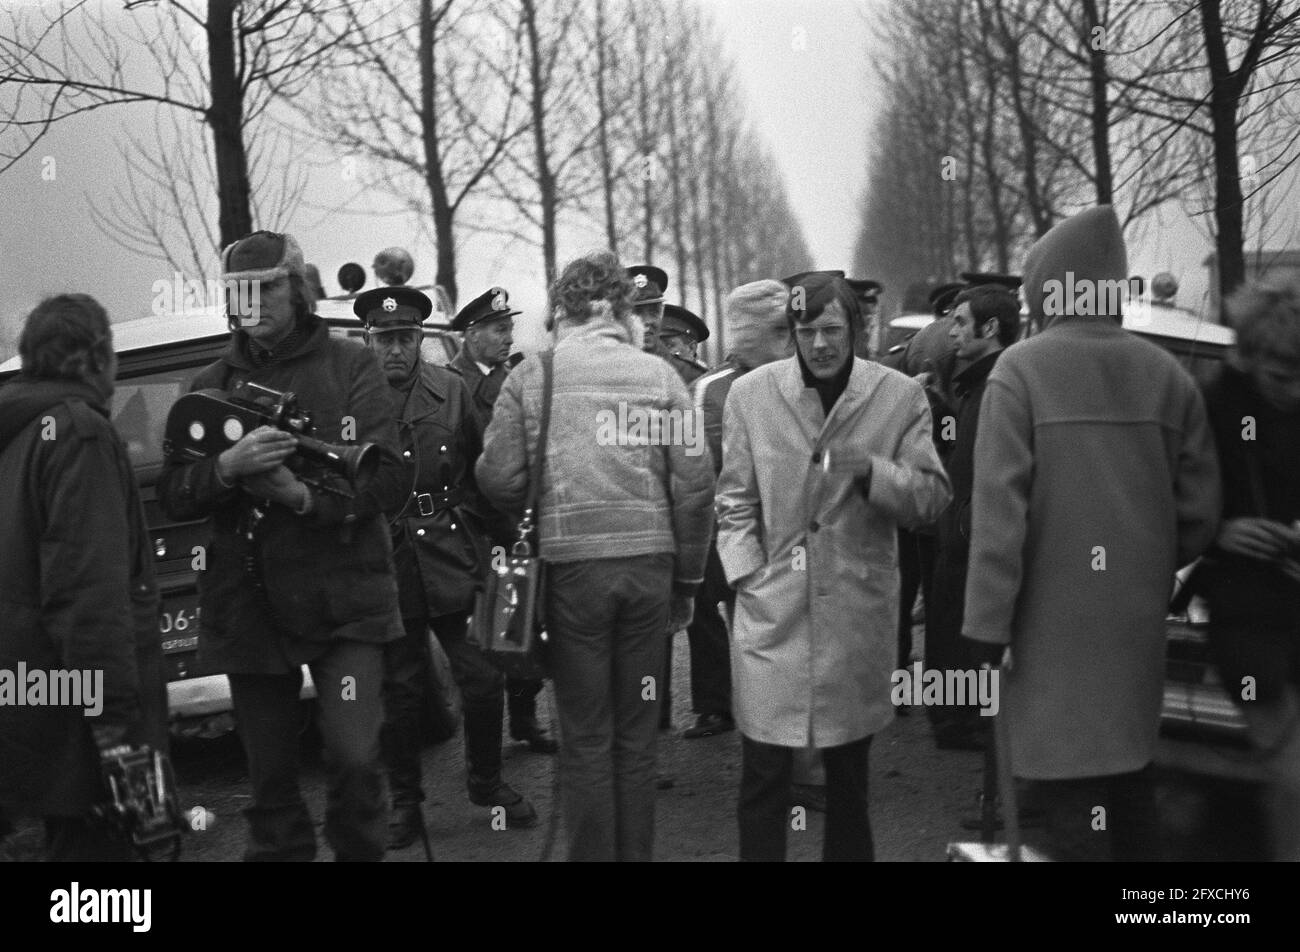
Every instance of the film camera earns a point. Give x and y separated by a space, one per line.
205 423
142 807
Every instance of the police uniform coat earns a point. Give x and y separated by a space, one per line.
441 550
710 396
483 387
815 630
328 575
77 592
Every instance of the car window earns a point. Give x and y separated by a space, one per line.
140 408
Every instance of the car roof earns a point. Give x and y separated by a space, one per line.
912 322
159 330
1157 321
1177 324
194 326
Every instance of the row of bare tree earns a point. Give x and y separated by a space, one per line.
528 119
1003 116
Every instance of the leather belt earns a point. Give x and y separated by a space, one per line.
430 503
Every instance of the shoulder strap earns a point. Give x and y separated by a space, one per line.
531 514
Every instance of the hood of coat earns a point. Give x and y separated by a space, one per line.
25 398
1079 252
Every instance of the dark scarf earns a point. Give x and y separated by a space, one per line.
828 390
260 356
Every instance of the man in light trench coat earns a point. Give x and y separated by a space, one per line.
824 456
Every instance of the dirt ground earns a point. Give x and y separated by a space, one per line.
918 794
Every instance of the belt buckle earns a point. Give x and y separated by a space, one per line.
425 501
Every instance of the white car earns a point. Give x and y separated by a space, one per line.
158 357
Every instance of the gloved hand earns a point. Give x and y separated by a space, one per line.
260 451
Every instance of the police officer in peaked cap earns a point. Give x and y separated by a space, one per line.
680 334
441 550
487 324
651 283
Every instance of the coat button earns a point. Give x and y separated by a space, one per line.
817 458
814 526
453 527
419 532
406 453
443 448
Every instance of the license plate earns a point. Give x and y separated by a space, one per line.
178 625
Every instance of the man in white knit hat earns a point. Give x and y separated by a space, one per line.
759 334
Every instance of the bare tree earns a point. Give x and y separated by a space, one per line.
557 175
604 118
1271 40
75 60
414 94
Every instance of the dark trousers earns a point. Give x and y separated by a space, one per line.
710 650
608 620
765 812
521 701
916 552
350 707
1071 831
406 679
482 687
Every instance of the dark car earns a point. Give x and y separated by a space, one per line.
1196 706
158 358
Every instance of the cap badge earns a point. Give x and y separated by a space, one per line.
640 280
499 302
390 304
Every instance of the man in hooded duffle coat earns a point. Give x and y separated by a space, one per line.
824 456
1095 479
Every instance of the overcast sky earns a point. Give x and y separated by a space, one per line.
804 66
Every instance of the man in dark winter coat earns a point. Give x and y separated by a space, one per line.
441 552
985 319
488 324
76 579
1251 577
299 570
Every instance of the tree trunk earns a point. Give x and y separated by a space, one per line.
1100 108
711 202
1001 231
545 177
647 158
443 227
675 170
1028 138
602 107
225 116
1225 90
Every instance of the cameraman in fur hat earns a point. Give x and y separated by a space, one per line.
299 570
